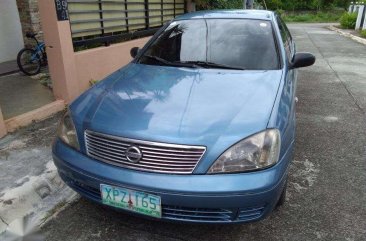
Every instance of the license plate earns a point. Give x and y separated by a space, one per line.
135 201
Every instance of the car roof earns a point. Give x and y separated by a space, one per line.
244 14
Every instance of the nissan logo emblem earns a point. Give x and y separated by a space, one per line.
133 154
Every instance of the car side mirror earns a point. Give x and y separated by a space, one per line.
134 51
302 60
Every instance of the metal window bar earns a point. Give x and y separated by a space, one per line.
108 22
162 11
115 19
147 14
101 17
126 14
121 11
110 27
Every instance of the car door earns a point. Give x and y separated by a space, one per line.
290 79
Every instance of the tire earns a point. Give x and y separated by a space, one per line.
282 198
28 65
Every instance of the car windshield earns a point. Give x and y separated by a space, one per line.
215 43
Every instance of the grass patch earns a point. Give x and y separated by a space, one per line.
312 17
363 33
93 82
348 20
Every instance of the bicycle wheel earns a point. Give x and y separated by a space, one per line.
29 62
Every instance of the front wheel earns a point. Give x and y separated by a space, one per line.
29 61
282 198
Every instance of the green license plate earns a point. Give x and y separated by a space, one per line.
131 200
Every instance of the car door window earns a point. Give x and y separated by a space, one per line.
291 42
286 39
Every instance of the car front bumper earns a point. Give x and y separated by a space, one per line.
220 198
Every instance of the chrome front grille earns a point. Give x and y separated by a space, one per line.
155 156
197 214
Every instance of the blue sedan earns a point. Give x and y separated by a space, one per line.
199 127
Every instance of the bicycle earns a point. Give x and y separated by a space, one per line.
30 60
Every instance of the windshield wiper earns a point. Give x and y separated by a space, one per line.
192 64
169 63
211 65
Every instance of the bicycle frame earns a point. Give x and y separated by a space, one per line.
31 59
39 50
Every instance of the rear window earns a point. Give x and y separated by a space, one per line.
244 43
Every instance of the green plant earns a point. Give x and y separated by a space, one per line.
313 17
348 20
287 5
280 12
93 82
363 33
218 4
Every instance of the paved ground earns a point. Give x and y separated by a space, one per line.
8 67
20 94
30 188
327 191
29 147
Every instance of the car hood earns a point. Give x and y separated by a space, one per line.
213 108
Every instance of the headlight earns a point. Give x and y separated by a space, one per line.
253 153
67 133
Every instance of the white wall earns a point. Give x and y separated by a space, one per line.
11 38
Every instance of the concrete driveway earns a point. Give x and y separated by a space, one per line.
20 93
327 183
